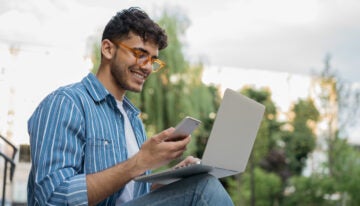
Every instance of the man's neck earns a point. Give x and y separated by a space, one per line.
110 85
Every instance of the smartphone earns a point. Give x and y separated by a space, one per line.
184 129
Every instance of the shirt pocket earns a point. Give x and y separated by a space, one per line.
99 154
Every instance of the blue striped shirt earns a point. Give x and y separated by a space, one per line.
78 130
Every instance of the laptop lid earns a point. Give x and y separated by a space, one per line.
234 131
230 142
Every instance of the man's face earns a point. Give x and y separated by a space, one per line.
127 73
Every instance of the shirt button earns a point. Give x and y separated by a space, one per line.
106 142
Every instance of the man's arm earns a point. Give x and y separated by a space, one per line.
55 131
57 143
155 152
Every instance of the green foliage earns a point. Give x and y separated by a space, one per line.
278 151
312 191
267 185
96 57
301 141
233 187
256 184
346 170
339 188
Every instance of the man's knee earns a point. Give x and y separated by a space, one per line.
209 183
210 190
202 189
206 179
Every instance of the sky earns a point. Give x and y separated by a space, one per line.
50 39
281 35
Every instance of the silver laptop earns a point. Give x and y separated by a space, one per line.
229 145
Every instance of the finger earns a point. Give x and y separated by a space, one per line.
188 160
178 145
195 160
164 134
178 154
191 160
184 142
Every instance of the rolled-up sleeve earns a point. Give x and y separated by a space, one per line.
57 143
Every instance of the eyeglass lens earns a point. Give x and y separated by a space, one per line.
144 60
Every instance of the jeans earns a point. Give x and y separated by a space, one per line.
202 189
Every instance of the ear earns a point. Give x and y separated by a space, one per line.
108 49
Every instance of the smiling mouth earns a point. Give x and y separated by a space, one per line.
139 75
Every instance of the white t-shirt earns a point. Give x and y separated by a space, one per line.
132 148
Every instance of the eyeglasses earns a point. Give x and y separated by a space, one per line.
143 57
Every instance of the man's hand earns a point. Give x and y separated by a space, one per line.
187 161
156 152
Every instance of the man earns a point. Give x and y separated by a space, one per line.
88 143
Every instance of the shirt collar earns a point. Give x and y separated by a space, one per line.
96 90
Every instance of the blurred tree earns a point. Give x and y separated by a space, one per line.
346 171
325 189
347 96
280 149
343 160
301 141
267 138
339 102
337 182
310 191
268 186
95 54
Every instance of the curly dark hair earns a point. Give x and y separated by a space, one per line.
138 22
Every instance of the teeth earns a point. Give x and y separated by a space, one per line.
139 76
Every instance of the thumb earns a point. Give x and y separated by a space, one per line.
165 134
